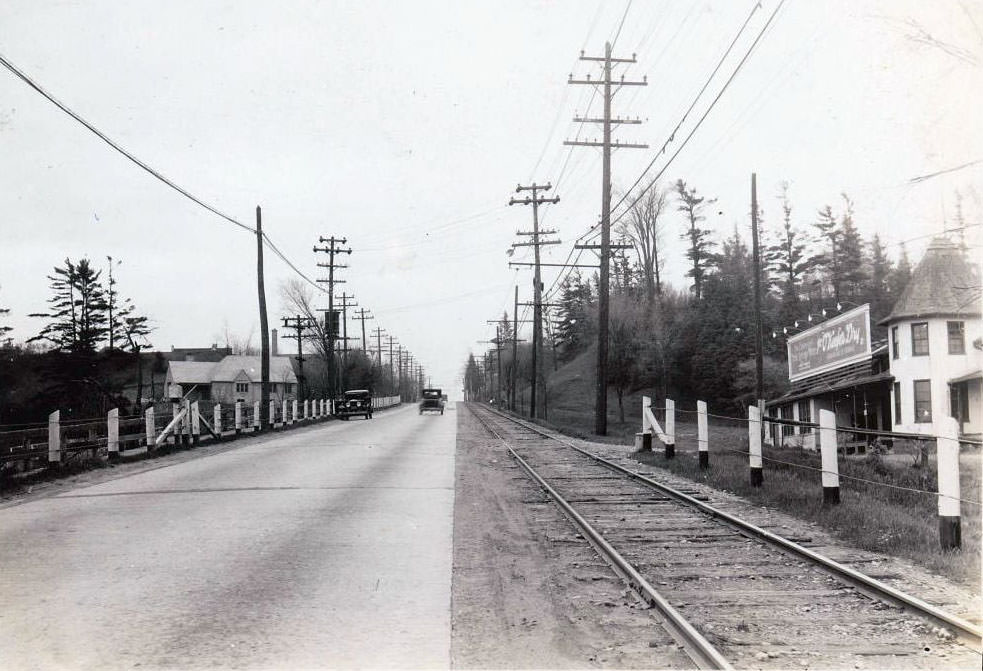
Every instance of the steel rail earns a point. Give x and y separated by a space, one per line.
966 631
700 650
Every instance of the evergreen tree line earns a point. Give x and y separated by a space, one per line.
83 354
698 342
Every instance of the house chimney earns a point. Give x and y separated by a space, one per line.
273 348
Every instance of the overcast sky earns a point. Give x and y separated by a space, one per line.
405 126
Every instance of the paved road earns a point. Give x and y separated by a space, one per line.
327 546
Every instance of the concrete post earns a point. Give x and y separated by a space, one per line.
702 435
284 417
151 427
754 445
217 419
293 417
238 417
307 408
195 424
256 416
670 428
54 437
646 403
112 434
828 451
947 454
272 414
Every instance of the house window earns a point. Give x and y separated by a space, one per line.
894 342
787 429
805 416
957 337
289 386
919 339
923 401
242 387
897 402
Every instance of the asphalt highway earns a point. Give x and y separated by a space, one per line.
329 546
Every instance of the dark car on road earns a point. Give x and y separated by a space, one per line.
354 402
432 400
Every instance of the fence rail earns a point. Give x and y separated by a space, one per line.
30 447
825 436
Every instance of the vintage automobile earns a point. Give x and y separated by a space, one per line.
432 400
354 402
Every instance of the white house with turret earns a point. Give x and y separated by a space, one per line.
935 344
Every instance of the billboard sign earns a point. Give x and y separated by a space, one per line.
834 343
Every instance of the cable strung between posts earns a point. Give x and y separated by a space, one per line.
269 243
102 136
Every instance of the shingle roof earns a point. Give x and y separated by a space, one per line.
944 284
228 369
191 372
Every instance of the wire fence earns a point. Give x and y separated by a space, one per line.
879 440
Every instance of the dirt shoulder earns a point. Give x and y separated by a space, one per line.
528 592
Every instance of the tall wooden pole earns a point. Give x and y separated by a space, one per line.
515 348
758 339
264 327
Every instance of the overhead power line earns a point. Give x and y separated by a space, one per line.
593 232
102 136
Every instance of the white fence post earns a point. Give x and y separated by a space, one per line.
112 434
272 415
151 427
217 419
307 407
828 451
754 444
293 416
238 417
195 424
947 455
54 437
702 435
284 416
670 428
643 439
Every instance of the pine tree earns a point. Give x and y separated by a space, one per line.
900 276
700 250
827 259
77 309
4 329
850 253
788 258
572 329
878 289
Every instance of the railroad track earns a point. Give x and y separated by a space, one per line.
727 591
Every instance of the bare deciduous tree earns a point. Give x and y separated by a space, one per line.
644 229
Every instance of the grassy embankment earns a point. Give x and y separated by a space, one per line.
871 515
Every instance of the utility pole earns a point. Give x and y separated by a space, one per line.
392 370
345 304
378 346
299 325
362 314
399 359
537 282
264 329
601 401
515 348
758 340
332 249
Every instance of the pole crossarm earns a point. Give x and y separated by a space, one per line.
556 265
615 144
537 243
603 246
621 120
